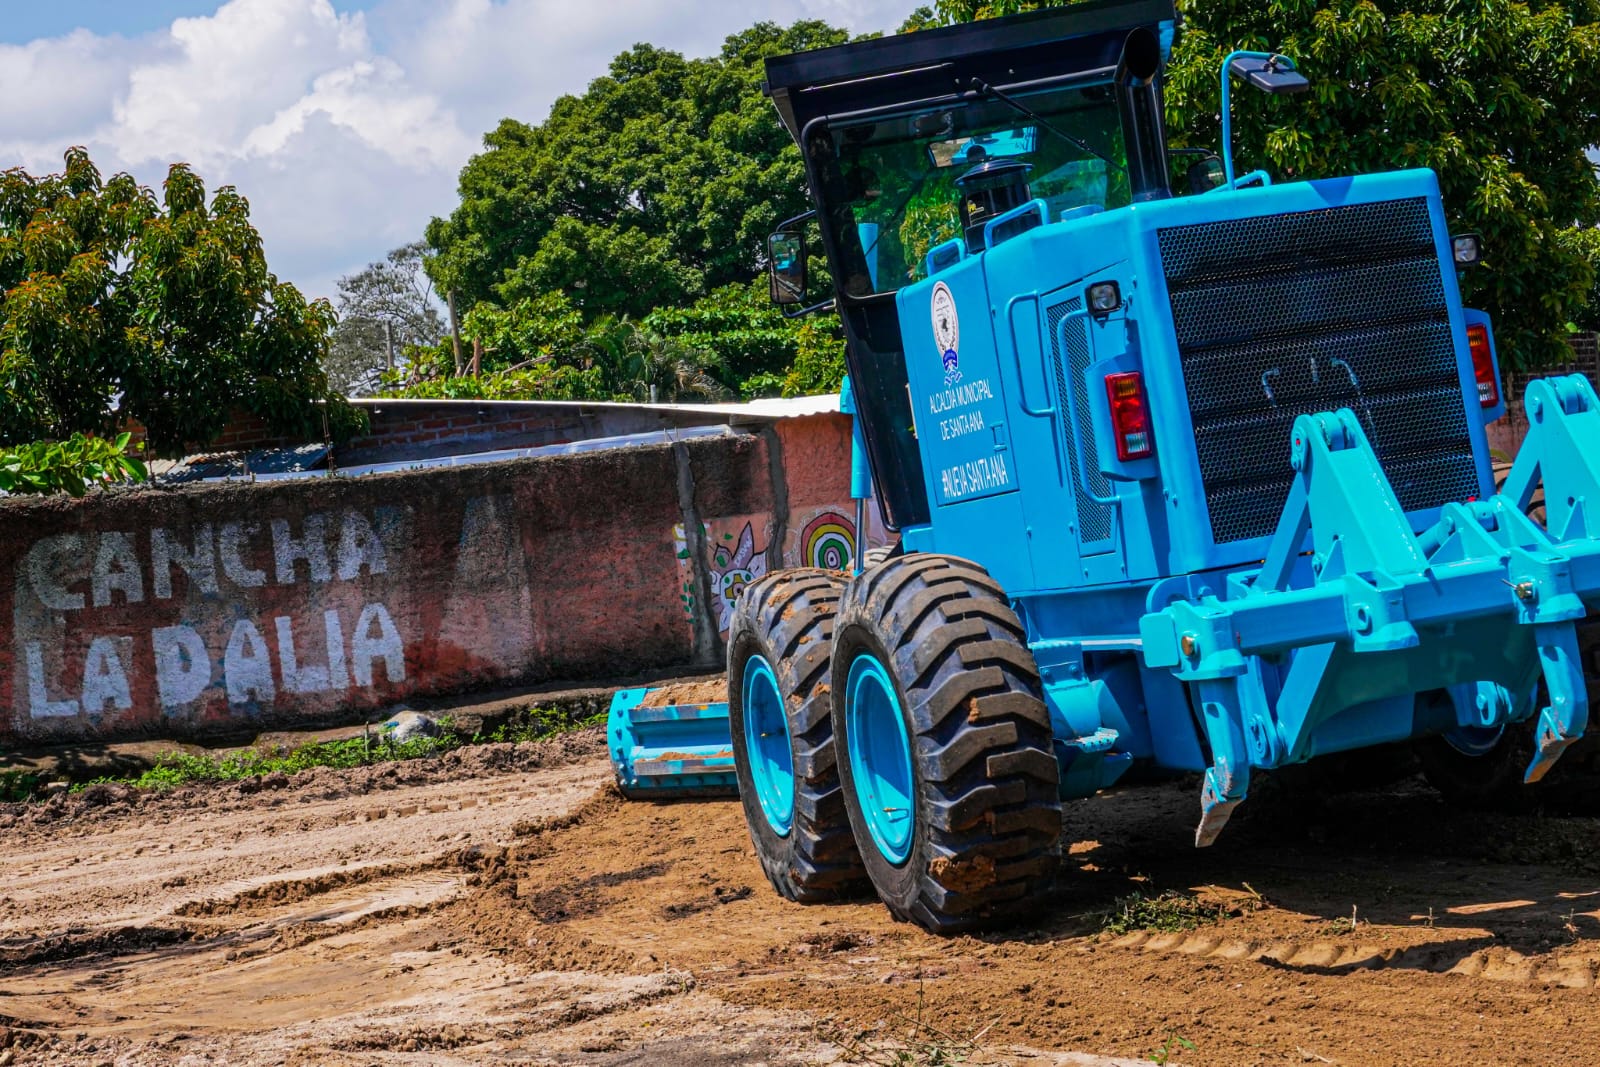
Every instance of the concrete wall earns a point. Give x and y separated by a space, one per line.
211 608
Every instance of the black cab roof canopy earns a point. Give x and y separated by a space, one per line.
1081 38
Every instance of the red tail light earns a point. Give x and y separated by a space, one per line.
1483 365
1130 415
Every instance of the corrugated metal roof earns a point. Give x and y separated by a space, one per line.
766 409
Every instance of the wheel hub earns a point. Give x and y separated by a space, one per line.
880 757
766 732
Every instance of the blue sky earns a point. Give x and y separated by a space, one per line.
43 18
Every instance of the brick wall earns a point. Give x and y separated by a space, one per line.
1505 436
218 607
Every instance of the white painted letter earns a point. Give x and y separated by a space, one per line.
333 634
40 706
359 547
297 679
183 667
248 666
234 538
116 548
103 677
365 647
39 567
200 564
313 548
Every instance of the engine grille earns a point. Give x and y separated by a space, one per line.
1286 315
1094 520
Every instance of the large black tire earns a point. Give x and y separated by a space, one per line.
1493 780
1490 780
984 780
787 619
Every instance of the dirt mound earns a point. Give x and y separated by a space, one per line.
713 691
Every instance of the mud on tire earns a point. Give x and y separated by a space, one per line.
983 777
786 619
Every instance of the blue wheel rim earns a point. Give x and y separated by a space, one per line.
766 739
880 757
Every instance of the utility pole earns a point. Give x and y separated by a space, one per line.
455 329
388 344
477 355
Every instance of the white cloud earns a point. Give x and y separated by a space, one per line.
345 130
225 72
62 83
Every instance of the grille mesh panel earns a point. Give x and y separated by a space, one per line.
1282 316
1094 520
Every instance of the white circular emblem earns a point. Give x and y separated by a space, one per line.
946 323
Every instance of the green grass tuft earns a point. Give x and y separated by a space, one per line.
176 768
1167 912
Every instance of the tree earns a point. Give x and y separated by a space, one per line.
640 364
71 466
752 346
1498 97
644 201
118 305
657 185
385 309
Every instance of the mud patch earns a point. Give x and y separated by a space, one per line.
963 876
563 902
720 895
1347 962
82 944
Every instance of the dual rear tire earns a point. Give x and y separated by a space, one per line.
780 719
917 733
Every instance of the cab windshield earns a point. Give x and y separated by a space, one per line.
895 181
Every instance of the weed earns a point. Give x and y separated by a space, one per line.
924 1044
1344 925
19 785
1174 1043
1167 912
533 724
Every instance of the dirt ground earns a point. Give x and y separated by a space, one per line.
502 905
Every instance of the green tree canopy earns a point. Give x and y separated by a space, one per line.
1499 97
655 186
118 304
645 200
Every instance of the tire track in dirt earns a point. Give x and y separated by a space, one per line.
1496 964
185 857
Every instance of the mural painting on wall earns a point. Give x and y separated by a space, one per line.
828 541
733 559
822 538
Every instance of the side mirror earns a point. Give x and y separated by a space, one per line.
1206 175
786 267
1275 74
